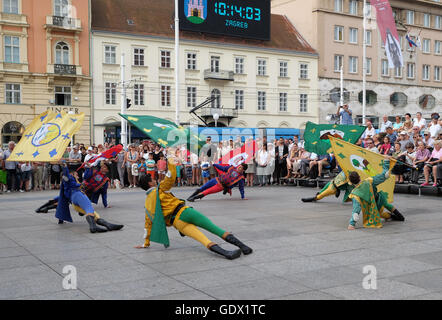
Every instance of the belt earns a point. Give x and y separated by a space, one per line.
175 212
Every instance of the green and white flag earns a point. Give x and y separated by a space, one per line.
316 136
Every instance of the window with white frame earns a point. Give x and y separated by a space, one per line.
216 94
437 47
262 67
368 65
353 64
339 33
10 6
138 57
139 94
12 49
437 73
239 99
62 53
438 22
410 70
368 10
303 71
110 93
338 62
239 65
303 102
191 61
384 68
401 41
261 100
191 97
12 93
339 5
61 8
425 72
283 101
426 44
283 69
398 72
410 17
165 96
353 7
427 20
63 96
368 37
110 54
214 63
353 35
165 58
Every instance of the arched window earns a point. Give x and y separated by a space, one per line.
61 8
371 97
399 99
217 95
427 101
12 131
62 53
335 95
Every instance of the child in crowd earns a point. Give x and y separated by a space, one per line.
162 166
205 170
142 167
385 148
150 163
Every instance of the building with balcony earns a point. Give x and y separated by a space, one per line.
255 83
44 63
334 28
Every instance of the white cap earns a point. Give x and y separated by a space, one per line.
90 149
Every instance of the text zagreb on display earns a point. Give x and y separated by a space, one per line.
240 18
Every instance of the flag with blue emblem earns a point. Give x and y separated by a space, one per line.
47 137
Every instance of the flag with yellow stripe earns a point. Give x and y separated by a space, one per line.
367 163
47 137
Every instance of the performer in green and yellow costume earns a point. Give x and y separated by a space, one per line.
333 187
366 198
163 209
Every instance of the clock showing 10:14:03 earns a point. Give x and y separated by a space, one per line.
230 10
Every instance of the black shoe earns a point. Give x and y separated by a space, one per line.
109 226
195 193
182 234
338 193
195 197
60 221
227 254
51 204
233 240
92 226
396 215
308 199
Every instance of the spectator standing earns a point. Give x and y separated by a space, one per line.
11 167
151 166
272 164
194 161
131 159
55 175
281 154
263 160
38 175
74 158
162 167
205 169
251 170
3 173
385 124
25 171
345 114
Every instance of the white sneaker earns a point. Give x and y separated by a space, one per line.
9 191
21 190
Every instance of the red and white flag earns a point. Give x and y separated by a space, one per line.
108 154
239 155
387 28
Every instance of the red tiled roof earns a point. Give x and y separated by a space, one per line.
156 18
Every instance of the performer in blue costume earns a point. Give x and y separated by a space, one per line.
70 193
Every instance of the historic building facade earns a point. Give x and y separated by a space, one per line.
334 28
255 83
44 63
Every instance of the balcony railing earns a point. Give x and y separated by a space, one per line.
64 22
222 112
218 75
65 69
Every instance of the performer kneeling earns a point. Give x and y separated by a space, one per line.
96 183
367 199
70 193
229 177
334 187
185 219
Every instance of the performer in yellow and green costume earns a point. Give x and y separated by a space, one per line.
366 198
334 187
163 209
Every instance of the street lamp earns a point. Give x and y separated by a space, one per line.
216 117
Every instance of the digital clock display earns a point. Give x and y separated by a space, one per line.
240 18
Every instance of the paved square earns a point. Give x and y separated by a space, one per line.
301 250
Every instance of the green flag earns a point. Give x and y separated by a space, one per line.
316 136
159 230
165 132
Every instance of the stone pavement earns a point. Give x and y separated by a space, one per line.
301 250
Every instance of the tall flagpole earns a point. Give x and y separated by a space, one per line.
177 65
364 59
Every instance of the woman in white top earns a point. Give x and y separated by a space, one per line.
263 160
131 158
271 166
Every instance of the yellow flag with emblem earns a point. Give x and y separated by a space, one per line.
367 163
47 137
